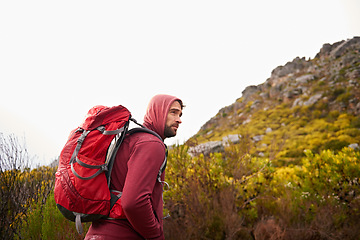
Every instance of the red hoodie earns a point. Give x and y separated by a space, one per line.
135 170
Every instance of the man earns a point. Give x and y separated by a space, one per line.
135 173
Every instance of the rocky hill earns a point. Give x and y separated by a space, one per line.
305 104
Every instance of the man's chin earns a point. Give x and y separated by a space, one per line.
170 135
170 132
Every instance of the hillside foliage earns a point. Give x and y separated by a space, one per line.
235 196
305 104
230 195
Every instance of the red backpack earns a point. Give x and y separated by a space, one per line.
82 181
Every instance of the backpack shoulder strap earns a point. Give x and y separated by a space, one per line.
144 129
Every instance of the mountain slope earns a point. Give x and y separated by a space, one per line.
305 104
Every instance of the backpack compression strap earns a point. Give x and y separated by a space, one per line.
101 168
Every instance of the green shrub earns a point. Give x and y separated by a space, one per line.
355 122
344 97
336 92
335 144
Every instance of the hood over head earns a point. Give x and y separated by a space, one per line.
156 113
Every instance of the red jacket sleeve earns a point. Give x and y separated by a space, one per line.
141 182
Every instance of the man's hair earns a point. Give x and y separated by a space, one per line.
181 103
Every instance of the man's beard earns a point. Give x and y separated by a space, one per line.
169 132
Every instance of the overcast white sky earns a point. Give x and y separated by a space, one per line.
60 58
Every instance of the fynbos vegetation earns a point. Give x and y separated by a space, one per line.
21 187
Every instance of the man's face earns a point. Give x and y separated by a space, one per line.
173 119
